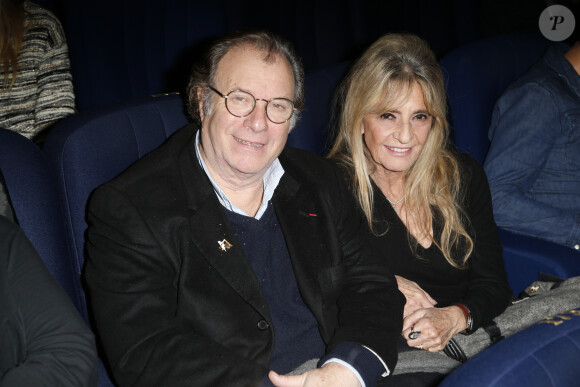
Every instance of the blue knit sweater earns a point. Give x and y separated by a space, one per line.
296 335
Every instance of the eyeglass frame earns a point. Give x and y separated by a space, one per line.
225 97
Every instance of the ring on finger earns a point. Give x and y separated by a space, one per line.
414 334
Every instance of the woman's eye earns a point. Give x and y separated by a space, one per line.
387 116
422 117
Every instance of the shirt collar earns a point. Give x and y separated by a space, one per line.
555 58
270 179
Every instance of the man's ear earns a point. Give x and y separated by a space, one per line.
200 99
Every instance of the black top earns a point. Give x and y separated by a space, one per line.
483 286
43 340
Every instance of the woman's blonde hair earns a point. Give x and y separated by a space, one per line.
384 75
12 31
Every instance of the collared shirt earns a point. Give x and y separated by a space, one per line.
271 180
533 164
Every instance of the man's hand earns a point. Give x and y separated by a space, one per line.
330 375
416 297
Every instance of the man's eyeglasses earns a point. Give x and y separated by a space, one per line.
240 104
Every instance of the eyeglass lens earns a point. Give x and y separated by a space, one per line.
240 104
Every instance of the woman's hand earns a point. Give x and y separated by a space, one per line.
416 297
437 327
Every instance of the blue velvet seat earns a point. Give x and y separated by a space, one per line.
120 50
543 355
32 189
476 75
124 49
312 130
93 146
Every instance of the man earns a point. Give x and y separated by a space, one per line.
533 164
45 342
224 254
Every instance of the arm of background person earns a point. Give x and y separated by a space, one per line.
60 348
523 132
55 97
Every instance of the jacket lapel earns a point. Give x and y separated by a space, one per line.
211 233
302 223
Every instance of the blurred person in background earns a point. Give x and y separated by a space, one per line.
36 88
533 163
43 339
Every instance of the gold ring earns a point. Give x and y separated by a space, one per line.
420 346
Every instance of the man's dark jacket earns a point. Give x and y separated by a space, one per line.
173 309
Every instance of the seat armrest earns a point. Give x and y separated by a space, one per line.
526 257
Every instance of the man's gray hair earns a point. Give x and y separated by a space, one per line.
204 72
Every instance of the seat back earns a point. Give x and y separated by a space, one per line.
125 49
31 185
312 132
544 354
527 257
121 50
92 147
476 75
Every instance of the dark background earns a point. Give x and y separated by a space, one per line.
121 49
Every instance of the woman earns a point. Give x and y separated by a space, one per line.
430 207
36 87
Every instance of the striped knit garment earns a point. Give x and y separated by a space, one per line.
43 92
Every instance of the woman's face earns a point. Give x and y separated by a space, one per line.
395 138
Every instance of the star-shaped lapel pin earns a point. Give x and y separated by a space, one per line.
224 245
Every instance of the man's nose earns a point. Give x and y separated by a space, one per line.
257 120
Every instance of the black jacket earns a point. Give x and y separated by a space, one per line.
173 309
43 339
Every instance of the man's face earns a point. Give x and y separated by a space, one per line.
241 148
